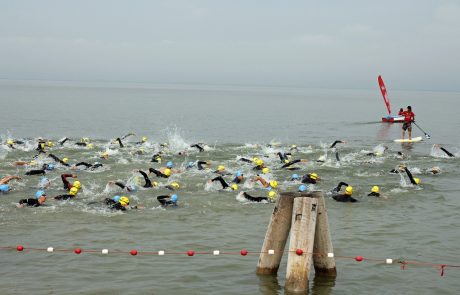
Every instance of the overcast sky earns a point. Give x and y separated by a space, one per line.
415 44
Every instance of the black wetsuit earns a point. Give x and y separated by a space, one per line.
237 180
148 183
118 206
290 164
283 156
254 199
119 142
447 152
58 160
335 142
40 147
245 160
81 143
156 158
344 198
411 178
63 140
63 197
200 148
200 165
109 201
307 179
36 172
30 202
164 202
122 185
373 194
222 181
158 173
87 165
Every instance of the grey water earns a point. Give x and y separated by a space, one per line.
409 223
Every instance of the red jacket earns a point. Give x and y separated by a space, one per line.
409 116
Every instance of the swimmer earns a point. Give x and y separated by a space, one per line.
198 146
67 184
87 165
434 170
40 198
413 180
345 196
444 150
72 193
172 186
129 187
271 197
64 161
239 177
121 204
41 147
168 200
157 157
259 164
143 140
311 178
105 155
148 182
375 192
45 167
164 172
221 170
288 164
266 184
224 184
283 157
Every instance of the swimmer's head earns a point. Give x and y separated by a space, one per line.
124 201
314 176
167 172
50 167
286 161
234 187
105 155
175 185
266 170
76 184
273 183
65 160
144 139
417 180
295 177
9 142
50 144
238 173
220 168
349 190
169 164
116 198
90 146
40 194
73 191
375 189
4 188
259 162
302 188
174 198
271 195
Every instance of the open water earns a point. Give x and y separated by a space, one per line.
407 223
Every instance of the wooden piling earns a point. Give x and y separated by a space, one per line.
276 236
303 229
324 265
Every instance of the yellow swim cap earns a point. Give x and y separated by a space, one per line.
417 180
265 170
124 201
144 139
293 146
273 183
349 190
234 186
85 139
90 146
50 144
259 162
175 185
255 159
314 176
271 195
286 161
105 154
73 191
10 142
65 160
42 145
220 168
77 184
155 183
167 172
375 189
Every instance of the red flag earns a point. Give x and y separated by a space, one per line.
384 93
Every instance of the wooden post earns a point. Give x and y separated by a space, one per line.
276 236
302 237
324 265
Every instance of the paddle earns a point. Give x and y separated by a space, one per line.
426 134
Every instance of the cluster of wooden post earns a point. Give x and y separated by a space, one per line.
304 216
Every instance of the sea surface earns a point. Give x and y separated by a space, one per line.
407 223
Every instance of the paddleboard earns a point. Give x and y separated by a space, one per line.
414 139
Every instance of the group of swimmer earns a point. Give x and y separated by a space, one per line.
342 192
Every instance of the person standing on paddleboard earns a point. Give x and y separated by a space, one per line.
409 117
